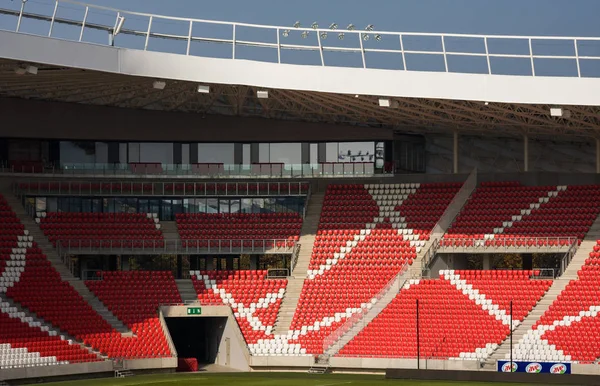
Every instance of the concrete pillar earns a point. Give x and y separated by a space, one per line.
487 262
305 153
254 155
597 155
527 261
321 153
455 154
525 153
210 266
229 263
113 153
254 262
194 153
238 153
177 153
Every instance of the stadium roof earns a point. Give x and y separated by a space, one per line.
349 102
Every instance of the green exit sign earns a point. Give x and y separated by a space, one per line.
194 311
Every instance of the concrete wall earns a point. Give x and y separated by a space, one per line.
239 356
57 371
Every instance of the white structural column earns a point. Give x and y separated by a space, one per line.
455 153
525 153
597 155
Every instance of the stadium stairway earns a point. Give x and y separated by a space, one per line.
57 263
50 327
295 283
186 290
559 284
170 232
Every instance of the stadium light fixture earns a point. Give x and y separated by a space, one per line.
119 25
333 26
314 25
297 24
384 102
29 69
351 27
324 35
369 28
487 103
378 37
556 112
304 34
159 84
366 37
286 33
202 89
262 94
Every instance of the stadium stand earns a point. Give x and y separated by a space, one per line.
508 210
568 330
102 229
463 315
134 297
247 228
254 299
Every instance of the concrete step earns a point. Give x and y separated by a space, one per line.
186 290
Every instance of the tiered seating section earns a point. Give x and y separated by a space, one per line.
462 315
100 230
255 300
507 212
366 234
245 229
134 297
570 329
25 343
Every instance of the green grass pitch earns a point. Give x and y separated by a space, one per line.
260 379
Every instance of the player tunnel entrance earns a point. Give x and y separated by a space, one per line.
197 337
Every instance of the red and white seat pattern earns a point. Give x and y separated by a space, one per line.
507 212
366 234
134 298
102 229
246 228
462 315
570 329
27 343
255 300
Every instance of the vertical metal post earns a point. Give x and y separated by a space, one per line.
577 57
278 46
320 48
148 32
487 55
362 50
525 153
233 37
597 155
511 335
20 15
455 153
444 52
189 42
53 17
87 9
403 56
531 56
418 340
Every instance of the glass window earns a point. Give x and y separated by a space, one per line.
52 204
177 206
40 204
143 205
223 206
258 205
286 153
109 205
97 205
235 206
357 151
201 205
86 205
246 205
166 210
212 205
154 206
75 204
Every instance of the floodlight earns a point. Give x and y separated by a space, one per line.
304 34
384 102
366 37
297 24
33 70
556 112
323 35
314 25
119 25
286 33
341 36
378 37
351 27
203 89
333 26
369 27
262 94
20 71
487 103
159 85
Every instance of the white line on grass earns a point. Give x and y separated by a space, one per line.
337 383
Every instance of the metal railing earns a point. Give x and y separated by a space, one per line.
325 170
447 218
483 53
294 259
182 247
160 188
566 259
508 244
335 341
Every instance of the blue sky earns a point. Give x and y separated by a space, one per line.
531 17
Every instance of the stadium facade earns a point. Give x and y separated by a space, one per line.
179 192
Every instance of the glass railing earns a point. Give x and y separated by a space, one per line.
507 243
203 170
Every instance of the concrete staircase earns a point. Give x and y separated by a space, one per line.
170 232
296 281
50 327
186 290
57 263
583 252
